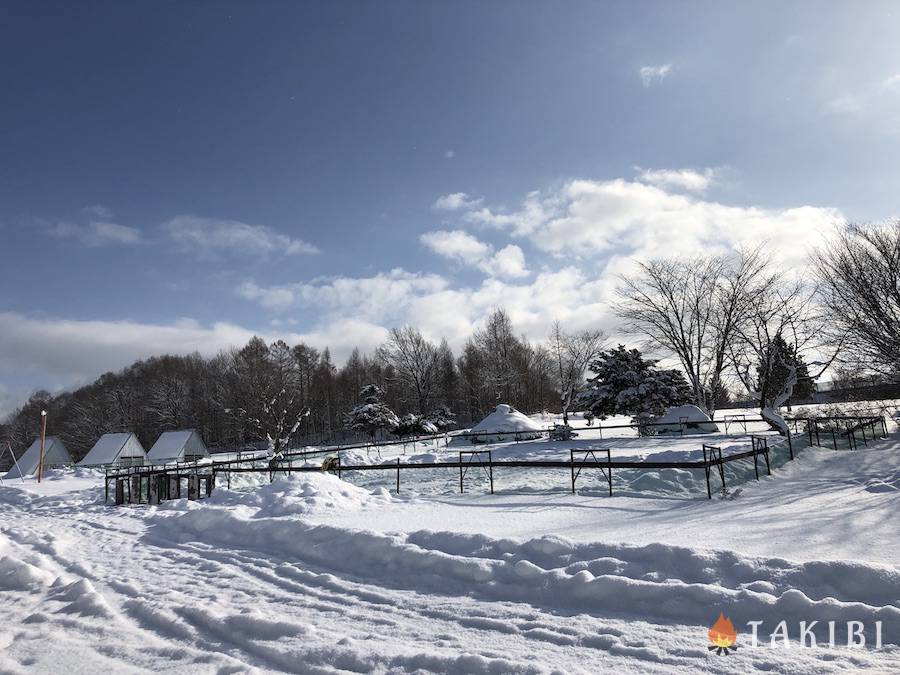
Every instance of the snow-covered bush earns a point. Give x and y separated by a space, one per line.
562 432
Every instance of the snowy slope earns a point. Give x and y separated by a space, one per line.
312 574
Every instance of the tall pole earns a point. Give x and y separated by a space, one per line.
43 436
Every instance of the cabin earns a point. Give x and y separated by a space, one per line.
120 449
55 455
177 446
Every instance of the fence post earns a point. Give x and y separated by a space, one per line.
609 469
706 471
572 468
398 475
753 445
460 473
790 444
491 470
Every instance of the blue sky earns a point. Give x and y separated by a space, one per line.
177 176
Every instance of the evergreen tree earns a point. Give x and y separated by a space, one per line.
625 383
773 371
372 414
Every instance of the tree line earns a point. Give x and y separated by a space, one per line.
733 322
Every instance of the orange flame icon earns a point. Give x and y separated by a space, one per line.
722 635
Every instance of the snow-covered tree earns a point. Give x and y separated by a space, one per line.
373 414
625 383
412 424
442 418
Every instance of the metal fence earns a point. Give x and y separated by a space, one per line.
156 483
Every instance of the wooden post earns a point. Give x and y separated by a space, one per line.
790 444
43 435
398 475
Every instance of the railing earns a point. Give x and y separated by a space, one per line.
713 461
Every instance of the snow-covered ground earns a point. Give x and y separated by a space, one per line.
314 574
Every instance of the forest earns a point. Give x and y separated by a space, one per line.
735 325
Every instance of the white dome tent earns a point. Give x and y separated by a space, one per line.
685 419
505 424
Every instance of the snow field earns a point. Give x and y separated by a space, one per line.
656 582
312 574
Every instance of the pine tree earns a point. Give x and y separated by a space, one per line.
372 414
625 383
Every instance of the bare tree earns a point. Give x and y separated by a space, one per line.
572 352
859 275
414 361
783 319
693 310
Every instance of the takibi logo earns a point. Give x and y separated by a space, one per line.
722 636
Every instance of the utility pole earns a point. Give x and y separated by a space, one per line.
43 435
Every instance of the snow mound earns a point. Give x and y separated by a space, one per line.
505 424
16 575
301 494
691 416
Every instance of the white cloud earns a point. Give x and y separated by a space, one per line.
210 237
98 234
651 75
891 83
462 247
456 244
454 202
98 211
586 218
687 179
384 295
846 104
67 352
509 261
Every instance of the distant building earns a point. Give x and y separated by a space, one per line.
55 455
123 449
177 446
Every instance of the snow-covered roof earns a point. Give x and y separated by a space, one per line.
111 447
175 445
55 454
505 419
